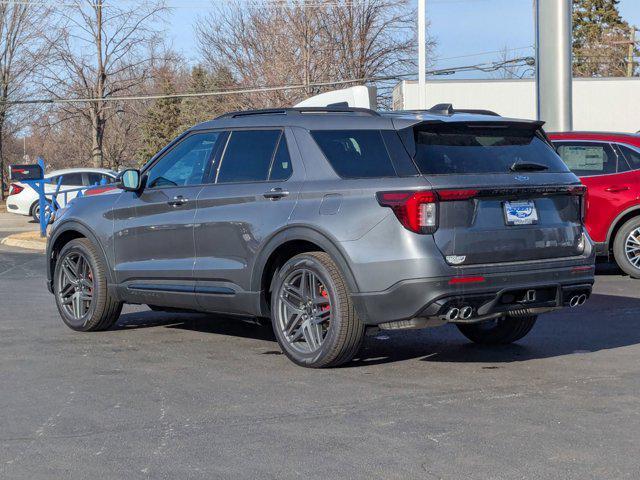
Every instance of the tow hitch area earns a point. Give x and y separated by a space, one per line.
514 302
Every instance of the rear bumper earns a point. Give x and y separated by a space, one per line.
501 291
17 208
601 248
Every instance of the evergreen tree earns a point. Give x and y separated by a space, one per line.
162 123
199 109
599 33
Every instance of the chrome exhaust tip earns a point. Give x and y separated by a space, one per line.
466 312
582 298
452 314
574 301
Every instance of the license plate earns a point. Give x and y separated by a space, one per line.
520 213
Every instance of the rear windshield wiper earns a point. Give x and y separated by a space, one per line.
527 167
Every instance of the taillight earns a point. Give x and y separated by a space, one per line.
451 195
581 192
15 189
418 211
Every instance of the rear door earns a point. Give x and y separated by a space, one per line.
251 192
611 186
505 194
153 230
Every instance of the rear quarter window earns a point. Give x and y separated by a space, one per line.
364 153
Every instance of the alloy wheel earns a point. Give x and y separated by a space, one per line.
75 285
632 248
304 311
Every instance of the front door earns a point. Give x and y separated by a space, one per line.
252 192
153 230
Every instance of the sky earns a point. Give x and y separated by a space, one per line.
467 31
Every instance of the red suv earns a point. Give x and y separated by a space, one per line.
609 165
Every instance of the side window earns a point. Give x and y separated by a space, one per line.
72 180
632 156
281 166
97 178
248 156
185 163
588 158
355 153
52 180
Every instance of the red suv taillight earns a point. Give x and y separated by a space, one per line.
418 211
15 189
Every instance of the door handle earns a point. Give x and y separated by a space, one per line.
177 201
275 193
615 189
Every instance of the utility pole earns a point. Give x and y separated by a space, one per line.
632 45
554 75
422 53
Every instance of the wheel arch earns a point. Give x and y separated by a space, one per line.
64 234
284 245
617 223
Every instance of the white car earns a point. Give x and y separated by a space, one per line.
23 200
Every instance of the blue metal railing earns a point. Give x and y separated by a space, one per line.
48 202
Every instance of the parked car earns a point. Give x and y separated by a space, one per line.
23 200
609 165
329 221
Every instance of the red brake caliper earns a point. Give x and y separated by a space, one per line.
325 294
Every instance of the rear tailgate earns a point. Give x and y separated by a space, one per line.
517 200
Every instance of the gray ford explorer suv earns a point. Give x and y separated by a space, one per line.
330 221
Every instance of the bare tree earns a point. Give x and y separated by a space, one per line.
300 43
100 50
510 66
21 54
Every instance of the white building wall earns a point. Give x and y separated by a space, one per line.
599 104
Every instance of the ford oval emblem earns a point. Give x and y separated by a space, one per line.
521 178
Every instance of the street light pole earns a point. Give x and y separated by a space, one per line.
553 64
422 52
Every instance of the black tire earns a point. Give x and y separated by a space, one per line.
619 246
500 331
103 309
343 330
35 211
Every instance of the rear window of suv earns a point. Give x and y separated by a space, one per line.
365 153
475 149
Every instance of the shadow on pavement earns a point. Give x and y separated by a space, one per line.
605 322
198 322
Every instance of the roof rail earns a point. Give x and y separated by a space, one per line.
301 110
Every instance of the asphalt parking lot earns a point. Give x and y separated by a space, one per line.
195 396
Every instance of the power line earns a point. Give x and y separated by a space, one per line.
201 94
487 52
211 4
484 67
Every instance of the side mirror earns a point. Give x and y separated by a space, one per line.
130 180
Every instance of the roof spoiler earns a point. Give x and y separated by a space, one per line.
447 109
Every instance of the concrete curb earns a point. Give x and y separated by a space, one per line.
16 241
